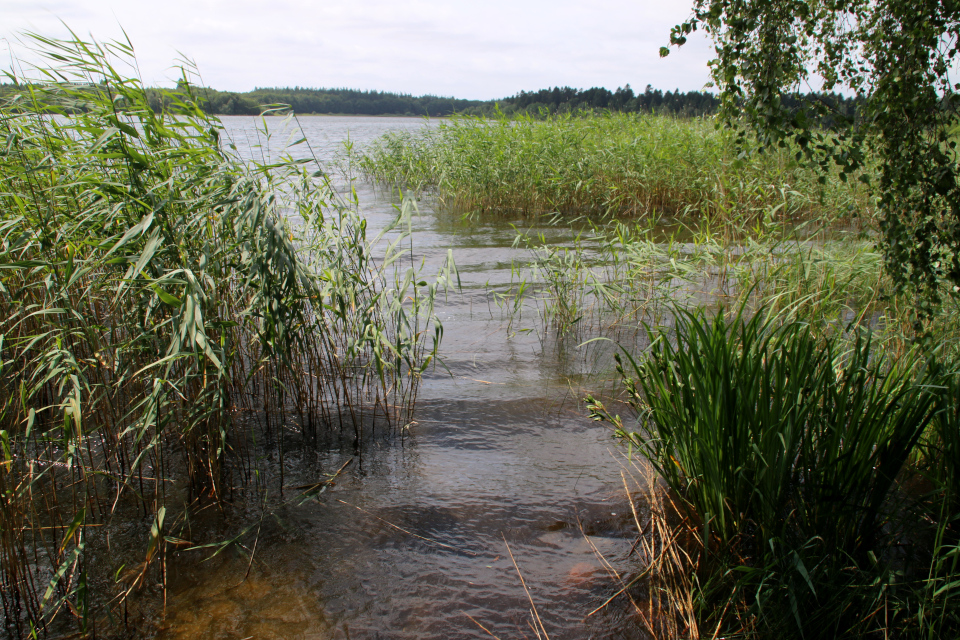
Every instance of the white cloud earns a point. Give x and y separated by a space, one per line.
466 49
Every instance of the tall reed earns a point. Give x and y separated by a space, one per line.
160 302
623 164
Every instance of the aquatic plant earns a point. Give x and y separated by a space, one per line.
616 275
621 164
164 308
787 449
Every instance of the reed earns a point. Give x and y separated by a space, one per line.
162 306
621 164
614 276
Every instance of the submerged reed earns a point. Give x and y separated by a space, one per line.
163 305
613 277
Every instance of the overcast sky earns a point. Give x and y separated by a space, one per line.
481 49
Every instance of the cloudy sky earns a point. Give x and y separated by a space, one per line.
479 49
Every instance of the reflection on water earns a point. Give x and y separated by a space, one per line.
412 542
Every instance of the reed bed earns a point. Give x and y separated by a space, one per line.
615 164
613 279
165 310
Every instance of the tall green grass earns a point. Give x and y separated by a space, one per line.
790 452
163 306
623 164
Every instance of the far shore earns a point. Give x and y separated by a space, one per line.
335 115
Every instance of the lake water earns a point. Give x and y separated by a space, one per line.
412 543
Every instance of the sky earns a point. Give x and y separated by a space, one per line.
482 49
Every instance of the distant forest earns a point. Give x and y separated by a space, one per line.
556 100
535 103
569 100
689 104
333 101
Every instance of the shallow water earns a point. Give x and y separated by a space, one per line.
412 542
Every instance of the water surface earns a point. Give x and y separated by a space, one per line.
412 542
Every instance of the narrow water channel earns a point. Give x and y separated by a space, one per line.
413 541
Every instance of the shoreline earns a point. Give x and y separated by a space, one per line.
331 115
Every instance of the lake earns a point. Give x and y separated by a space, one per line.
412 541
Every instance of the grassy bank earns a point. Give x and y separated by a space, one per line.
622 164
171 320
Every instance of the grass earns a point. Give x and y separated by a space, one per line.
611 277
792 452
165 309
618 164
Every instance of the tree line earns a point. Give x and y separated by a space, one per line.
555 100
559 100
331 101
